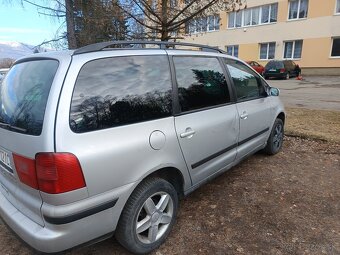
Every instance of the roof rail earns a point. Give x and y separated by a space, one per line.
161 44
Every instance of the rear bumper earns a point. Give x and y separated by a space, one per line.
275 75
63 231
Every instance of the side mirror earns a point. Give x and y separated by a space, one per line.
274 92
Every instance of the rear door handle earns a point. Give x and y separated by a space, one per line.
244 115
188 133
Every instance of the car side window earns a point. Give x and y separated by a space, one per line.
246 82
119 91
201 82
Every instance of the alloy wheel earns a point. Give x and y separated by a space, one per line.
278 136
154 217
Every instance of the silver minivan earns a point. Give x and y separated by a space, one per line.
105 139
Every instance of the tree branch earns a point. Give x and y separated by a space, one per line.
43 7
137 20
183 21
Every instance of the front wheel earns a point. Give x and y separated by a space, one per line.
275 140
148 216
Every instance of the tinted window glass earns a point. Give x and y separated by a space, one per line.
201 82
274 65
122 90
246 82
23 95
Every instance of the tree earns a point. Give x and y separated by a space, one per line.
162 19
86 21
97 21
6 62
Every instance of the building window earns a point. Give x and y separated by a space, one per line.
267 50
213 22
293 49
203 24
253 16
232 50
337 8
336 47
298 9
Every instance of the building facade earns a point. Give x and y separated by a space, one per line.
306 31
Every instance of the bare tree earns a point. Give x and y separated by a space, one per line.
86 22
71 32
161 19
6 62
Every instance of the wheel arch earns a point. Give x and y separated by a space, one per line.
282 117
172 175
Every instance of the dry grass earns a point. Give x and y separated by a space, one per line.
315 124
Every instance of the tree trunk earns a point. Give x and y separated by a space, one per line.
164 33
165 36
71 33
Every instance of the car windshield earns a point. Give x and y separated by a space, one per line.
274 65
23 95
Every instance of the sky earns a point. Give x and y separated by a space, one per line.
22 23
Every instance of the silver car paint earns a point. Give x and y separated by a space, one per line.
26 199
114 161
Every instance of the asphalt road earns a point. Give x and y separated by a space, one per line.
320 93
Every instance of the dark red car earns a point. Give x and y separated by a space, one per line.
256 66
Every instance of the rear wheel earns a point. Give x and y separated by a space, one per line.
148 216
287 76
275 140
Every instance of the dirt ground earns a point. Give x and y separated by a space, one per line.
285 204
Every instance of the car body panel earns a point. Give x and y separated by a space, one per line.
213 146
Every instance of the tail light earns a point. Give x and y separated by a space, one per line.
282 70
26 170
52 173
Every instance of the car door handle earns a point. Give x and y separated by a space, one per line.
188 133
244 115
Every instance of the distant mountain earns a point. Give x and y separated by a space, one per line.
15 50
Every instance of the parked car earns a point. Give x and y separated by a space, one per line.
256 66
283 69
105 140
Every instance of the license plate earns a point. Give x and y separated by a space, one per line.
4 159
272 70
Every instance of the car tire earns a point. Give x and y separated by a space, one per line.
275 140
148 216
287 76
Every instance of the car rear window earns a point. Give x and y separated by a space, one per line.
23 95
274 65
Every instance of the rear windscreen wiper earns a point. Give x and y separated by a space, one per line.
10 127
4 125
